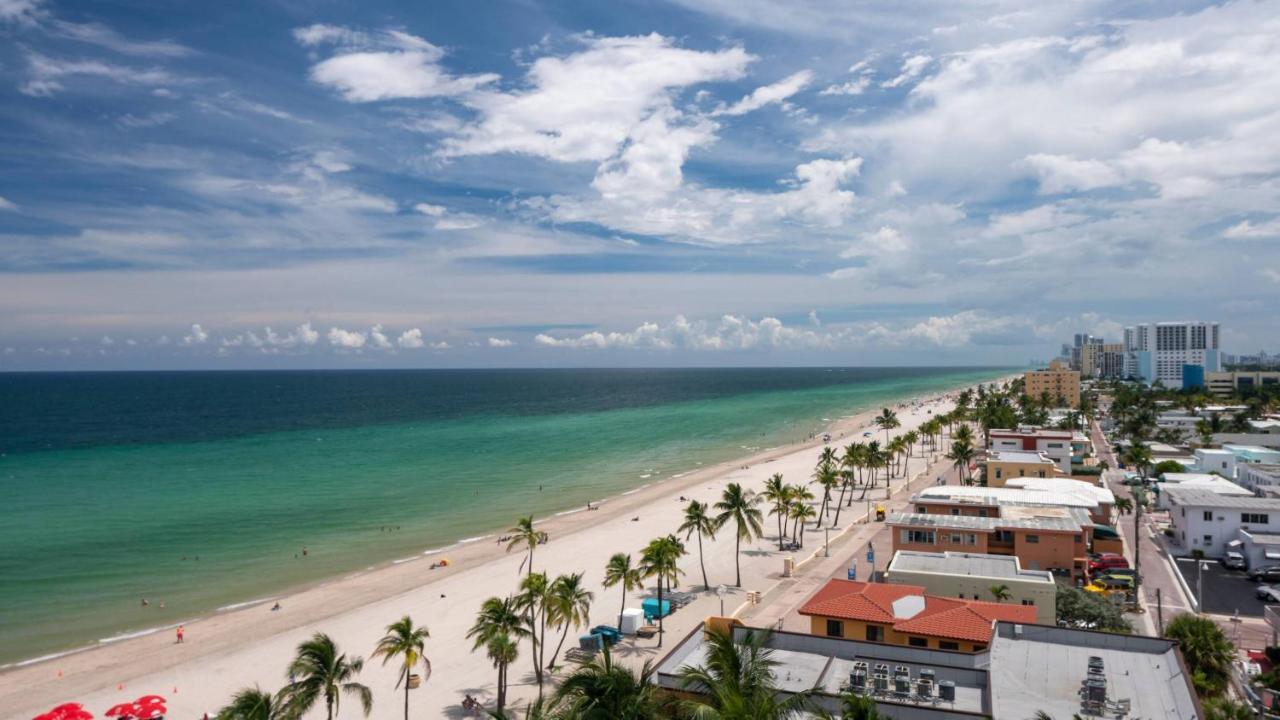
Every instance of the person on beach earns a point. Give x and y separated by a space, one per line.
180 634
145 603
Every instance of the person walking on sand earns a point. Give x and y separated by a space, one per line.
181 632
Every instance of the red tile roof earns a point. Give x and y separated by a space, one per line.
969 620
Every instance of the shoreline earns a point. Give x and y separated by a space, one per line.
138 654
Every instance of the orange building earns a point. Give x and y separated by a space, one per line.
904 615
1042 538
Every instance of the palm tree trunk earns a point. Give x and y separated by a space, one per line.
786 522
623 607
781 531
737 561
660 613
502 686
542 649
560 645
406 692
328 705
705 585
838 504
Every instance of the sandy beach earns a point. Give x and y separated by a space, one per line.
250 645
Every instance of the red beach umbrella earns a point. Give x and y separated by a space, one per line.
123 710
149 700
149 712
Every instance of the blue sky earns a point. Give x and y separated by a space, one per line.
696 182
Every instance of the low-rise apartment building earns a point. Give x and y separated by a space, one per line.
1060 383
1213 483
1224 384
1056 539
988 501
1057 445
1001 465
905 615
1214 460
1206 521
971 576
1262 479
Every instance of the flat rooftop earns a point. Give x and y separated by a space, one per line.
1102 495
1194 496
975 495
1018 456
995 567
1041 668
1023 517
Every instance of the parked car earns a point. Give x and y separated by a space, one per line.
1265 573
1234 561
1106 561
1268 593
1118 573
1110 586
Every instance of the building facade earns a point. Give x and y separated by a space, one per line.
1058 382
1001 465
971 576
1206 521
1056 444
1163 351
1224 384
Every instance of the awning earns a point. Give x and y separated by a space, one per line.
1234 544
1272 554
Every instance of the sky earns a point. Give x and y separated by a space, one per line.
289 184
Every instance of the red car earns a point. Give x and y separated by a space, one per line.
1105 561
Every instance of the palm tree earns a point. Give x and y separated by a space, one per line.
620 571
739 506
737 680
405 641
602 690
775 493
828 477
534 599
252 704
502 650
661 559
1138 455
570 604
858 707
1000 592
323 672
1206 649
696 520
498 627
962 453
1123 505
1222 708
887 420
801 512
896 448
525 534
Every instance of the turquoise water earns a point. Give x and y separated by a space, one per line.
105 506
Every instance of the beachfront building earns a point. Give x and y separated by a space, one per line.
1027 669
1059 383
979 501
905 615
971 576
1209 522
1000 465
1224 384
1056 539
1058 445
1176 354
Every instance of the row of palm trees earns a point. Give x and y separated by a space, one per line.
321 673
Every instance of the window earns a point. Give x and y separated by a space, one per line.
1254 518
918 642
874 633
1028 602
835 628
1208 515
955 511
1079 538
982 512
1033 539
978 647
998 471
1208 539
918 536
972 539
922 509
955 538
947 645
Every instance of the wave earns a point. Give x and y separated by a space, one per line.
405 560
43 658
434 551
139 633
247 603
633 491
478 538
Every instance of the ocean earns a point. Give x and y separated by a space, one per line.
201 489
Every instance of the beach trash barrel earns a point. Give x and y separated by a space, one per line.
415 680
788 566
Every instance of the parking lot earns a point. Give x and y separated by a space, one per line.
1225 591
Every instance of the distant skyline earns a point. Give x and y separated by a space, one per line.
683 183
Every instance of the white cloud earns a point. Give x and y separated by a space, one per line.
500 342
1271 274
107 341
379 339
384 66
6 204
852 87
133 122
410 339
197 336
430 210
350 339
911 69
45 74
1037 219
767 94
21 12
1059 173
103 36
1247 230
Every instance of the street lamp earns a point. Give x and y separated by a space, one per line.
720 591
826 543
1200 565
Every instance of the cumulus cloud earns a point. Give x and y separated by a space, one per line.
500 342
351 339
386 65
911 69
379 339
197 336
410 339
21 12
1247 230
768 94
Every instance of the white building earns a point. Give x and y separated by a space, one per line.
1206 521
972 575
1262 479
1054 443
1218 461
1212 483
1159 351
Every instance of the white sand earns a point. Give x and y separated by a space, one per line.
252 645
